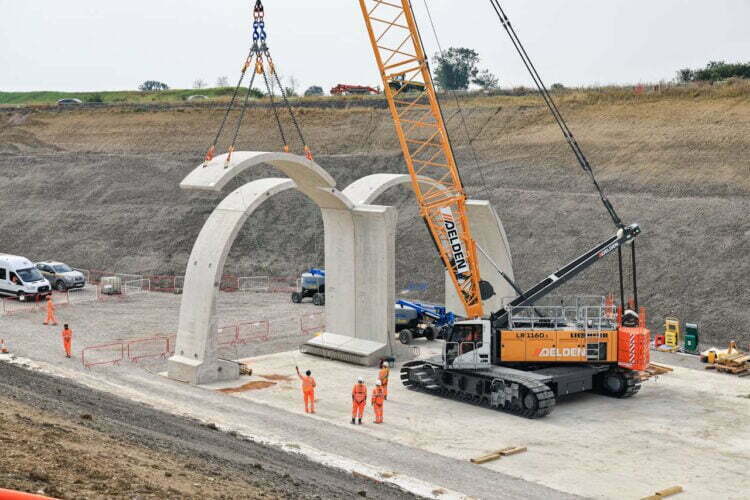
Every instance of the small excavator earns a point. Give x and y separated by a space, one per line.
523 357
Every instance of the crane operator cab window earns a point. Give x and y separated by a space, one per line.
464 339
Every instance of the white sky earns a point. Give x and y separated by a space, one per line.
114 45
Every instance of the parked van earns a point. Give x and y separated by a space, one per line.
20 278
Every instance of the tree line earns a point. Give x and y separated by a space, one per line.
714 71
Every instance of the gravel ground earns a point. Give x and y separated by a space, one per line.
73 442
147 316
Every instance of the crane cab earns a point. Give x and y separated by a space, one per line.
469 346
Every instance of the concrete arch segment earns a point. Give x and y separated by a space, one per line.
195 360
360 323
489 233
310 178
486 227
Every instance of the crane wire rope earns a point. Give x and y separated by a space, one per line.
258 51
552 105
460 111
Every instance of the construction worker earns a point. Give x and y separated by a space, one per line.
359 398
67 337
383 375
308 390
50 312
378 398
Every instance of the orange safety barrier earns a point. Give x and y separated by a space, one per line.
153 347
310 324
249 331
104 354
227 335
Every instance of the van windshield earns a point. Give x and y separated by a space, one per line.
29 275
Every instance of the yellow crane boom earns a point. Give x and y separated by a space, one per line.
424 140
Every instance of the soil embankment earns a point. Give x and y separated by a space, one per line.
99 188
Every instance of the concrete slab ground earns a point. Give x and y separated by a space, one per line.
689 428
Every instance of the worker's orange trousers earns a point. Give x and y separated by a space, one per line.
385 391
67 344
51 320
309 397
358 409
378 413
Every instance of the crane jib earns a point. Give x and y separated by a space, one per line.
460 263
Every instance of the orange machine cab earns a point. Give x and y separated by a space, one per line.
531 340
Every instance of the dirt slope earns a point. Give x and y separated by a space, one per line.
98 188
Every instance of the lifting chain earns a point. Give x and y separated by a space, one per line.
258 52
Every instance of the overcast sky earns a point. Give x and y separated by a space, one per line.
108 45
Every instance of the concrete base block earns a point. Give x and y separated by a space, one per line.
196 372
345 348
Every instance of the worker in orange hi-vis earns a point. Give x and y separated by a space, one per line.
51 320
378 399
359 398
383 375
308 390
67 337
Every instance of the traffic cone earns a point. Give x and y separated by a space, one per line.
3 349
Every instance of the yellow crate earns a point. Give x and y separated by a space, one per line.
671 331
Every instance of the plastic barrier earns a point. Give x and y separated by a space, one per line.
153 347
105 354
280 284
136 286
227 335
166 284
89 293
13 306
252 331
229 283
255 284
310 324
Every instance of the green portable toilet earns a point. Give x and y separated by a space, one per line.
691 337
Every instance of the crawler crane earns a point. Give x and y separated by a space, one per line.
521 358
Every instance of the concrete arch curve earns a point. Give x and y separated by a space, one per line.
356 237
486 227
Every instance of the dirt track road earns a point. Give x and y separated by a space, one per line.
74 442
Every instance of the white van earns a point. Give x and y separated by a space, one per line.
20 278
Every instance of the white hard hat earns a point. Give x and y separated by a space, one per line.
360 379
385 364
378 383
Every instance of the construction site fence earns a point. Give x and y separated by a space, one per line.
91 293
230 338
168 283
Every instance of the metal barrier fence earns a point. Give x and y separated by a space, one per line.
230 338
90 293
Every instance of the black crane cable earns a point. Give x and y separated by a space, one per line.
552 105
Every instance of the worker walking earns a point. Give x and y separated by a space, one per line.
308 390
383 374
378 400
67 338
50 320
359 398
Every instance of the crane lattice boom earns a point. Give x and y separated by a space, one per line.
424 140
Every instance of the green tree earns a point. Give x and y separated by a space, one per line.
152 85
314 91
685 75
455 68
486 80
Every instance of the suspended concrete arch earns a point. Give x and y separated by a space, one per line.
359 248
359 253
